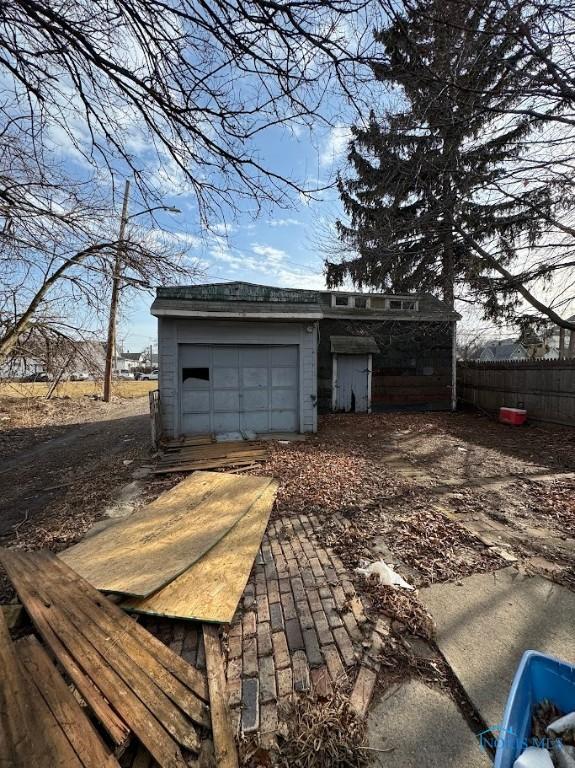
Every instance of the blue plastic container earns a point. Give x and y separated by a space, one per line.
538 677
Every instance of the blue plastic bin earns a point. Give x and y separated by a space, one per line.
538 677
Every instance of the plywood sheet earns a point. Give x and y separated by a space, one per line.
147 550
211 588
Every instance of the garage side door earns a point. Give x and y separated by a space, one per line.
231 388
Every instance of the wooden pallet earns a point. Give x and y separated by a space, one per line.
130 680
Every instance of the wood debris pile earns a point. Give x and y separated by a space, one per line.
440 549
323 733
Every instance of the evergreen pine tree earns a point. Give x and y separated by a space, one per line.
427 171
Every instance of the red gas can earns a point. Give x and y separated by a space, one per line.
513 416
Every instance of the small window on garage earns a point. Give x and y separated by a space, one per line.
195 374
395 304
360 302
341 301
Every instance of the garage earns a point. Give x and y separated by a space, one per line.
231 388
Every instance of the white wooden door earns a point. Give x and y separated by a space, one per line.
352 383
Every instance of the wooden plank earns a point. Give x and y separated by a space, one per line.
64 706
211 588
217 449
150 732
112 640
150 548
187 457
202 465
14 705
43 728
111 721
70 615
185 673
223 735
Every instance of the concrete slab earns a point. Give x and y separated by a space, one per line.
424 729
486 622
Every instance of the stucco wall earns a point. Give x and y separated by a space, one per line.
175 331
413 369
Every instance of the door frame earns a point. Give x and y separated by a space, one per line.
334 381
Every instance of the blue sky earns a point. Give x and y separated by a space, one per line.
279 247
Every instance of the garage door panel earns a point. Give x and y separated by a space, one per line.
255 399
196 401
226 377
195 355
284 356
226 356
226 388
255 421
255 356
196 423
226 400
284 377
283 399
254 377
226 422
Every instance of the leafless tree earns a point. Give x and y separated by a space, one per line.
57 246
194 80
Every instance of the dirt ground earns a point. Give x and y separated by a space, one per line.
439 495
56 479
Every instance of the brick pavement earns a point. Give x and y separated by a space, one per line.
300 627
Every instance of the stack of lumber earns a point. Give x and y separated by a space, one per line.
186 555
190 454
41 722
130 681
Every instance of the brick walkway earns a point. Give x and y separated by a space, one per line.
299 628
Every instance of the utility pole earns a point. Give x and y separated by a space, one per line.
116 285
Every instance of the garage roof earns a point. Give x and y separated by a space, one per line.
354 345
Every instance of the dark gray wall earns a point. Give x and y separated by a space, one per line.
412 371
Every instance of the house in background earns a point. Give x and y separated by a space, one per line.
238 356
506 349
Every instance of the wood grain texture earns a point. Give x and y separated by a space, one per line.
62 584
28 580
63 705
191 677
14 705
152 547
112 722
223 735
211 588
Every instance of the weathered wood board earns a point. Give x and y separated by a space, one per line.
150 548
211 588
116 660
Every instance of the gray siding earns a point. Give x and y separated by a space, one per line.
175 331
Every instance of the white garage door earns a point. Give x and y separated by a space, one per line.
233 388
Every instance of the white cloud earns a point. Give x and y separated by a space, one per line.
285 222
336 144
269 253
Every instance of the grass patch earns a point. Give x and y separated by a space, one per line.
74 389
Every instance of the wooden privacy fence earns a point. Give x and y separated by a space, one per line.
546 388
